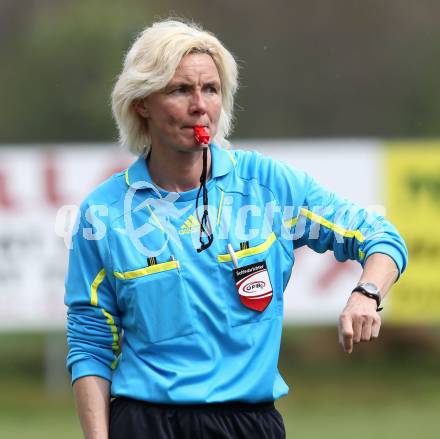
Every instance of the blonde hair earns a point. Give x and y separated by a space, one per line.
150 64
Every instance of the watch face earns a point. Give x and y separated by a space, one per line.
370 288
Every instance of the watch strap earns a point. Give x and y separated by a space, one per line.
372 292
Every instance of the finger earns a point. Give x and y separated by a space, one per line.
366 329
346 333
375 328
357 328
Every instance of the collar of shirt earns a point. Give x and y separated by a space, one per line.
138 177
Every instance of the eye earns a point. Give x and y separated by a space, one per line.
180 89
211 88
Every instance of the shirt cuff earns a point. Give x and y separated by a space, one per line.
90 367
391 251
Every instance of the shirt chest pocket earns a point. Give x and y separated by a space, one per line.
156 302
266 251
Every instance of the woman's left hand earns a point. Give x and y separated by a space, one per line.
358 322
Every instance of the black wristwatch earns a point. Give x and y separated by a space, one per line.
370 290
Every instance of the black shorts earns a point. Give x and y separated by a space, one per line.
131 419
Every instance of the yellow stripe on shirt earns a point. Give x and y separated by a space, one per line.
157 268
113 329
357 234
220 207
126 177
155 218
290 222
249 251
231 157
94 287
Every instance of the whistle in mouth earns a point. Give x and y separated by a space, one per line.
201 135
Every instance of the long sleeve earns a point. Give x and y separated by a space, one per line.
328 222
320 219
93 322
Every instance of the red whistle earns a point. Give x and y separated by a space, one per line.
201 135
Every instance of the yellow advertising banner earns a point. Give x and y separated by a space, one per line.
413 205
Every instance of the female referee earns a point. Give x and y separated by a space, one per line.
176 274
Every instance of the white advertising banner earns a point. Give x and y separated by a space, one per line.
36 182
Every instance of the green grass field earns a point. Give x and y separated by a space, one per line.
389 390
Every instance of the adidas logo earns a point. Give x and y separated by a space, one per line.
190 225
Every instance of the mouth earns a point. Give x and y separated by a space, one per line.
193 126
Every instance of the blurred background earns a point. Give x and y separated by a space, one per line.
349 91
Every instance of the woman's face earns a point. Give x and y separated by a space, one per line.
192 97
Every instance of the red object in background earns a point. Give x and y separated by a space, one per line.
201 135
6 199
51 181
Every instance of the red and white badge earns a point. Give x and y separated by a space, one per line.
253 285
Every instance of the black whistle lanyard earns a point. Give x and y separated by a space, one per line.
206 235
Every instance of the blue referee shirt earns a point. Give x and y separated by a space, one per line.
165 323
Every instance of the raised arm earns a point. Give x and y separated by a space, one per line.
327 222
323 221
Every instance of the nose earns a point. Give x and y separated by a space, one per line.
198 104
